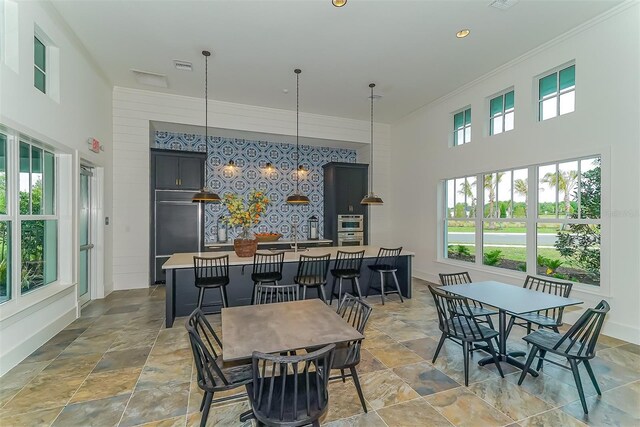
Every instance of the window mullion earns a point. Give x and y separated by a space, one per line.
479 218
532 216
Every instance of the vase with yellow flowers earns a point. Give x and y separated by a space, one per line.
244 214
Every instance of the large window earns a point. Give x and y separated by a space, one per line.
557 93
39 65
462 127
38 223
501 113
461 196
568 220
560 214
5 227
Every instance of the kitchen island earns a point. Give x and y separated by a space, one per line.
182 295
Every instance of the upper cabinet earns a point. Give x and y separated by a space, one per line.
178 170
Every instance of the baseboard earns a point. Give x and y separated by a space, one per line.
423 275
18 353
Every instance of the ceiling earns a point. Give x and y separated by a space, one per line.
408 48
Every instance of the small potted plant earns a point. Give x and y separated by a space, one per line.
243 215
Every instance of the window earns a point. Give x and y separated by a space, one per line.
560 212
568 220
462 127
39 65
38 223
501 113
5 227
557 93
461 196
504 228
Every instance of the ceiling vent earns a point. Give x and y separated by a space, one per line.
183 65
503 4
150 79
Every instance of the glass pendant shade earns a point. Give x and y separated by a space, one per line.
204 195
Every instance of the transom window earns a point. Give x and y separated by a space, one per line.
462 127
501 113
561 209
39 65
557 93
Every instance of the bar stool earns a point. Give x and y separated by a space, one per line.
386 263
211 273
267 268
312 273
348 265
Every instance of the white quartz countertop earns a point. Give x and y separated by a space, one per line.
185 260
275 242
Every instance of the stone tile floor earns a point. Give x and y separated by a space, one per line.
118 365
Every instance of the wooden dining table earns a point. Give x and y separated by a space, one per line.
282 327
508 299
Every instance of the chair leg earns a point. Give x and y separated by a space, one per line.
333 290
495 357
223 293
321 293
543 353
200 297
382 286
339 290
204 397
576 377
344 379
527 365
490 322
395 279
465 350
358 291
528 328
205 412
356 381
304 292
442 338
512 321
587 365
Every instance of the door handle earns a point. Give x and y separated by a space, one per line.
350 208
177 181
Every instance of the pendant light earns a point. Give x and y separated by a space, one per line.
297 198
204 195
371 198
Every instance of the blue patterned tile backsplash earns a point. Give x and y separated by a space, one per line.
251 158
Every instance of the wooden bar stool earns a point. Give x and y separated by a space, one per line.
267 268
312 273
348 265
386 263
211 273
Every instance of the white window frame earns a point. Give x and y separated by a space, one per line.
46 61
466 129
503 113
557 94
603 290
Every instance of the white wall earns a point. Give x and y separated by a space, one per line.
607 56
81 109
132 112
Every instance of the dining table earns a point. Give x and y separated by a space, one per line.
509 299
282 327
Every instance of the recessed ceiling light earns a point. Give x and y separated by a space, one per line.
183 65
338 3
463 33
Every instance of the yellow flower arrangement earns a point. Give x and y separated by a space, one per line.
245 216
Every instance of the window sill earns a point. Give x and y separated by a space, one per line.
16 308
579 289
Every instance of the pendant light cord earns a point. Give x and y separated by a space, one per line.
206 114
371 165
297 71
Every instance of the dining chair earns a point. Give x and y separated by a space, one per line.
211 273
386 263
212 376
267 268
267 294
347 267
312 273
476 308
550 318
578 345
290 390
464 330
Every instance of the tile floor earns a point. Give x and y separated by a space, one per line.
118 365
